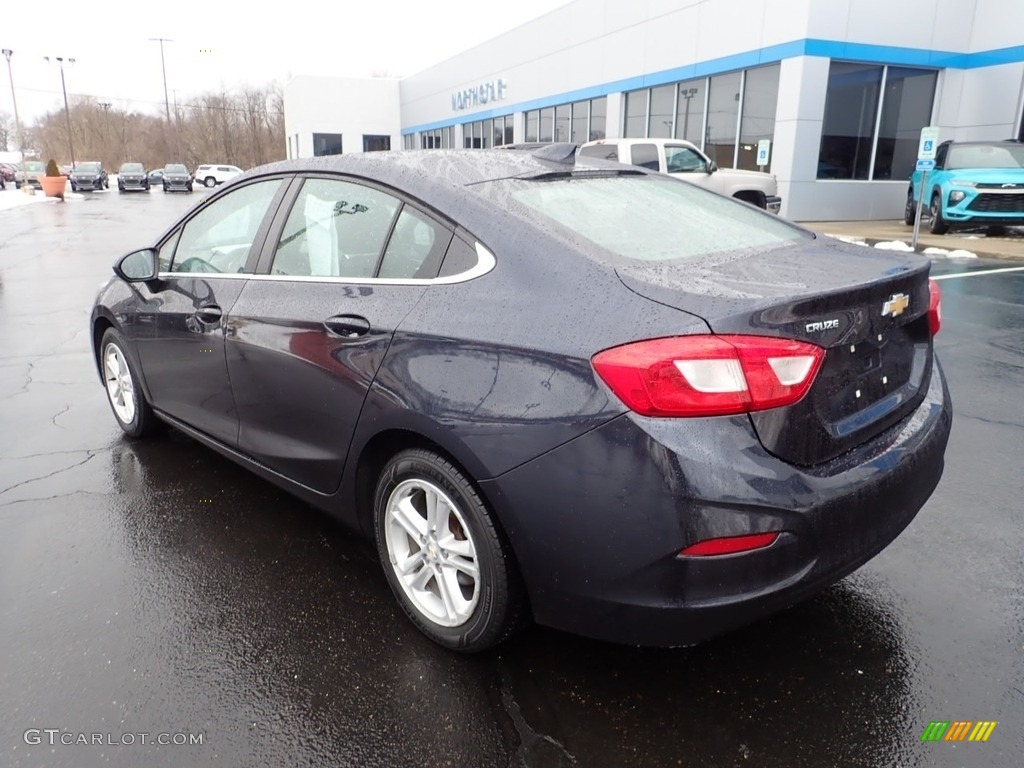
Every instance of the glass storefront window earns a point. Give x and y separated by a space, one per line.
662 112
326 144
598 117
580 120
532 123
636 115
760 95
563 116
547 124
690 111
849 126
723 109
906 109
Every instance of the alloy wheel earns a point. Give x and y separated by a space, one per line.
120 387
432 552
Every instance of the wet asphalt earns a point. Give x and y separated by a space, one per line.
153 587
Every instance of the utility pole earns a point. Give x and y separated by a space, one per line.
26 187
163 68
67 112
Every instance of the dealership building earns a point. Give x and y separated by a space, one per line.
840 89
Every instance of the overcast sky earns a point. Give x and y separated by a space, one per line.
216 44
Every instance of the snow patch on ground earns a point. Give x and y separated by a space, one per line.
894 245
15 198
847 239
956 253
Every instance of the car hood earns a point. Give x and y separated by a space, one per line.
987 175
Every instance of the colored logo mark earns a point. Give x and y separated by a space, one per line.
959 730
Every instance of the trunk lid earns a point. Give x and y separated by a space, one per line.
868 309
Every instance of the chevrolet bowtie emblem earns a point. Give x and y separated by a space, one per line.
895 304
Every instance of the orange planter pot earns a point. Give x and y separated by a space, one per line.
53 186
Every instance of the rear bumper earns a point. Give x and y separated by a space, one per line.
597 523
773 203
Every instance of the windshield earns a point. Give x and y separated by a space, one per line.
985 156
653 218
132 168
88 167
33 166
175 169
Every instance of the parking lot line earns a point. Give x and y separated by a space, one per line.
978 272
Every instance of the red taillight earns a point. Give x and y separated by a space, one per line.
934 307
709 375
729 545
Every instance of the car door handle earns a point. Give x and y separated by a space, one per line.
209 314
347 326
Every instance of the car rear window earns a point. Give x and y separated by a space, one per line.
644 217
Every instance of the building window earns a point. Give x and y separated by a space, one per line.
547 124
760 95
636 115
898 100
663 108
326 144
532 123
374 143
409 141
598 117
690 111
906 109
723 111
439 138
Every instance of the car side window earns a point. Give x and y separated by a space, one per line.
335 229
940 155
646 156
219 237
415 248
683 160
602 151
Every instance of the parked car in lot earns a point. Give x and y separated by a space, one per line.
176 178
974 184
212 175
132 176
89 177
7 173
156 176
547 386
685 161
32 170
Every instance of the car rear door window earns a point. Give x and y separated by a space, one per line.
646 156
335 229
219 237
415 248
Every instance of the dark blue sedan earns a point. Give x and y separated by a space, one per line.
551 388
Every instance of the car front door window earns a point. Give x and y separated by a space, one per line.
219 237
683 160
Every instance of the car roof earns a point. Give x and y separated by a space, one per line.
424 172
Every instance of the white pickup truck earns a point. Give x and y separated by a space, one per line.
683 160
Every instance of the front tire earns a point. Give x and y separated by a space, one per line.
938 225
446 560
131 411
910 210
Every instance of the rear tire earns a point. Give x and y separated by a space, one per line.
133 414
444 556
938 225
209 181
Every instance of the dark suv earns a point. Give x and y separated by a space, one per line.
176 176
132 176
89 177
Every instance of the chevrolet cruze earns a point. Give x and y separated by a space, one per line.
549 387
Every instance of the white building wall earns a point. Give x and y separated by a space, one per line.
349 106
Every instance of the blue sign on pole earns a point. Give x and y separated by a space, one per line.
925 165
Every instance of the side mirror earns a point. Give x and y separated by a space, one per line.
137 266
712 166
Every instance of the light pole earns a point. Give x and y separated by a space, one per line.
67 112
163 68
687 93
17 122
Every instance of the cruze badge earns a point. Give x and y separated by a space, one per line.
895 305
821 325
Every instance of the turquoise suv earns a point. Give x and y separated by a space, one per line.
974 184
